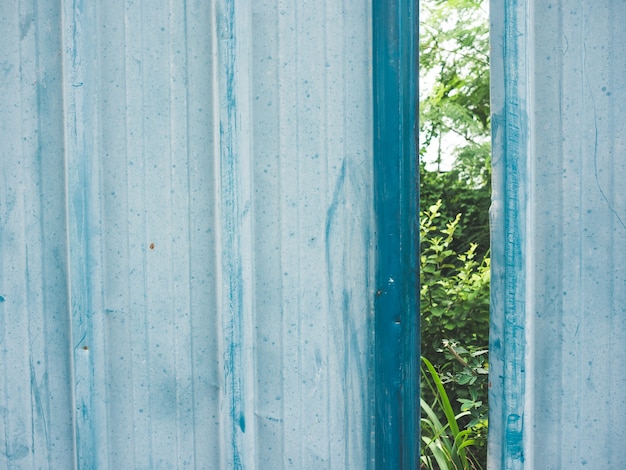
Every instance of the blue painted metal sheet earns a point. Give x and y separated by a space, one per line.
35 363
559 213
190 240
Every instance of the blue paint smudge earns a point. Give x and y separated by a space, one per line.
514 436
16 451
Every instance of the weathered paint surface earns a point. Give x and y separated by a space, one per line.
559 213
189 236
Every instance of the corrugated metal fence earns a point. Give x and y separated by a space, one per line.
197 270
207 235
558 250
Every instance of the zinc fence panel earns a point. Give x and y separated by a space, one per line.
559 233
189 240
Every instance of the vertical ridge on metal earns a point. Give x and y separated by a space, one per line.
509 95
558 368
396 205
234 161
80 95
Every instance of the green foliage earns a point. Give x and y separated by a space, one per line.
445 444
457 197
454 55
466 374
455 322
454 286
454 110
454 230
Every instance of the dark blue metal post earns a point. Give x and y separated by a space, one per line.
396 204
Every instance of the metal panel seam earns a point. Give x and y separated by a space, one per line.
508 293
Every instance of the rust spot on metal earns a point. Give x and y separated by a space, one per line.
152 246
